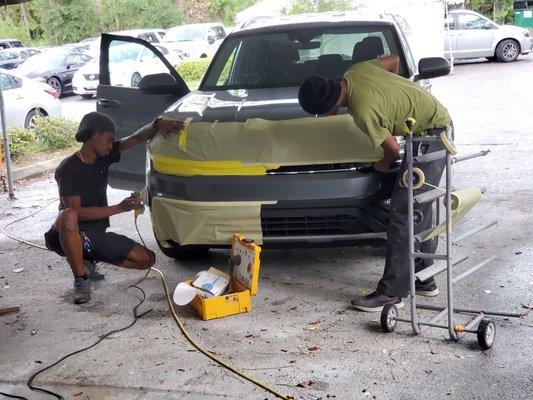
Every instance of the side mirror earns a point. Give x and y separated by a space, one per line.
159 84
432 67
210 39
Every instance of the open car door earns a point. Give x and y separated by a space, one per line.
134 89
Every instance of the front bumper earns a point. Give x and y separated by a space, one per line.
527 45
83 87
276 210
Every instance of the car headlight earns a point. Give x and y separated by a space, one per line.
38 79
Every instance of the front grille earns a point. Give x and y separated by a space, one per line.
343 224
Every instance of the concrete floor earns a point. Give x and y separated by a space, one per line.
346 357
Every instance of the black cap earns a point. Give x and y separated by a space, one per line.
94 122
318 94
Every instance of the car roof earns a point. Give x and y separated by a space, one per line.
313 20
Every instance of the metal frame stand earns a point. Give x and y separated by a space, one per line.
481 325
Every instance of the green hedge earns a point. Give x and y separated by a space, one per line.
193 70
46 134
55 133
21 141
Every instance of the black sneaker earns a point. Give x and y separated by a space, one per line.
427 288
374 302
82 290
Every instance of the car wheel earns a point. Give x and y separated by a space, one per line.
30 118
56 84
86 96
179 252
135 79
508 50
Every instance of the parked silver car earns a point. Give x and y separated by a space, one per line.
471 35
25 98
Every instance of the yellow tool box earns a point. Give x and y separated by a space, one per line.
244 282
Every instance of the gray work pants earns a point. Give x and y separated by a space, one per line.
395 280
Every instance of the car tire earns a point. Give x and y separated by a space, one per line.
135 79
86 96
56 84
508 50
179 252
31 117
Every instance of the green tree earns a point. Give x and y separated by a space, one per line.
316 6
499 11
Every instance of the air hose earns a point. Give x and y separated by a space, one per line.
164 283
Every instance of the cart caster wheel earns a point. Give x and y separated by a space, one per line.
388 318
486 333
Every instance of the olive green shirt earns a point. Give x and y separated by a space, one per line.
380 102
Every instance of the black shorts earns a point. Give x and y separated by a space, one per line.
104 246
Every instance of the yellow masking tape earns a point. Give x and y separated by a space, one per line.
175 166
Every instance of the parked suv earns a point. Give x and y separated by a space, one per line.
251 160
196 40
471 35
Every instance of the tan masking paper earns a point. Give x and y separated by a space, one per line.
190 222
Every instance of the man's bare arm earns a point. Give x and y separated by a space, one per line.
147 132
390 63
96 213
391 153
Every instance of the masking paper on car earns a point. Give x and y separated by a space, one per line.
192 222
258 145
462 201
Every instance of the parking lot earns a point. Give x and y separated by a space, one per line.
302 328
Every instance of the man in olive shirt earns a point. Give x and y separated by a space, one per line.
380 101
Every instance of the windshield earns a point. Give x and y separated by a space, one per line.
286 58
43 62
185 34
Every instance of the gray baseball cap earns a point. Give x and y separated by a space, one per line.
94 122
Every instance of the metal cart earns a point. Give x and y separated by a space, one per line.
413 179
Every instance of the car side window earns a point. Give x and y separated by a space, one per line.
74 59
6 82
470 21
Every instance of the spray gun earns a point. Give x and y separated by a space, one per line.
140 210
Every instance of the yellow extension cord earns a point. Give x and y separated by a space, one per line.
171 307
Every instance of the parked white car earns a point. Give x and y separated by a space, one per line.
196 40
471 35
25 98
128 64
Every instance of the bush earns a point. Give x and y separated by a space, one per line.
21 141
193 70
55 133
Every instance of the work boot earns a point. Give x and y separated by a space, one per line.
91 271
82 290
374 302
427 288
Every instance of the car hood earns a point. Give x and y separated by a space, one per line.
249 132
239 105
511 29
90 68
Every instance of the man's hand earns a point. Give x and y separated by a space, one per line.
167 126
131 203
382 165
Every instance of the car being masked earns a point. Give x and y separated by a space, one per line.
250 160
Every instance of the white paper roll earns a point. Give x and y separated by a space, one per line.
183 294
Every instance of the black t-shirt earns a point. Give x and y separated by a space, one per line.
89 181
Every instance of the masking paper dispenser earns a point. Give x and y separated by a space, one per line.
244 282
